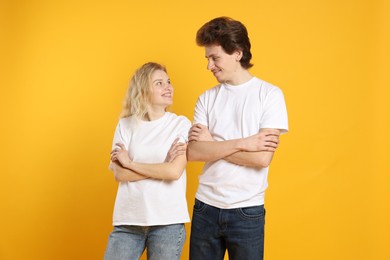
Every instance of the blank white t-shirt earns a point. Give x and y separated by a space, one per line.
232 112
151 202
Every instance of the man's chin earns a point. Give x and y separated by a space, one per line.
218 79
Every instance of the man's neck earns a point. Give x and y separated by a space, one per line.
240 77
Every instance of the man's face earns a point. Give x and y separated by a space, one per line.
222 65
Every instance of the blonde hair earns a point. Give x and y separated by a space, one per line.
140 91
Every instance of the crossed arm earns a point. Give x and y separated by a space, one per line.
126 170
253 151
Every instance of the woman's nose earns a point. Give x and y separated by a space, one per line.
168 86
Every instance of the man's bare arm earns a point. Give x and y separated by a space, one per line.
260 159
251 159
202 147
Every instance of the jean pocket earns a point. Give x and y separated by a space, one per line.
256 212
199 206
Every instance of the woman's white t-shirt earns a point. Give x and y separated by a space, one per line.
151 202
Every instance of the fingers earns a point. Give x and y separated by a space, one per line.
272 139
114 153
199 132
270 149
175 154
176 140
193 136
122 146
269 132
197 128
271 145
179 147
269 135
176 150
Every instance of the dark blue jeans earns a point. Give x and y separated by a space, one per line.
240 231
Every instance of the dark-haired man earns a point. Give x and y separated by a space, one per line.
236 132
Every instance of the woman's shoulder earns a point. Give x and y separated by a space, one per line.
126 122
181 118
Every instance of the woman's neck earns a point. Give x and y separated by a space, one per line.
154 114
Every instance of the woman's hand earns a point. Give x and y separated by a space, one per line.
120 155
176 150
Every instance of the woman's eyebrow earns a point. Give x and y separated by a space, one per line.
157 80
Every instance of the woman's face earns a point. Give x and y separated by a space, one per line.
162 90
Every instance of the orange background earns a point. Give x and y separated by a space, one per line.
65 67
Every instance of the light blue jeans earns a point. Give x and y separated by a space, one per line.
161 242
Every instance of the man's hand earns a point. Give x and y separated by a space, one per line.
176 150
120 155
265 140
199 132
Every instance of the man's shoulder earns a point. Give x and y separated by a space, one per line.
213 89
266 87
263 83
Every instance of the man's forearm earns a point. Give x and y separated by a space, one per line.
251 159
207 151
201 148
260 158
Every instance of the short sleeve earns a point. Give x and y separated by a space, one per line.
183 130
200 113
120 136
275 111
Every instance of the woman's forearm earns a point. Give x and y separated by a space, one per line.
165 171
122 174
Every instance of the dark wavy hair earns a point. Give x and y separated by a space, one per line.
230 34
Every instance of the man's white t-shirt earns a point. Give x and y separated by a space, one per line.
232 112
151 202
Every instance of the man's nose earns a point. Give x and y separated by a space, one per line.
210 65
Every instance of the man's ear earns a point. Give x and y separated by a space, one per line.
238 54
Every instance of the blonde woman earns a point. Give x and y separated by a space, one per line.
149 160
